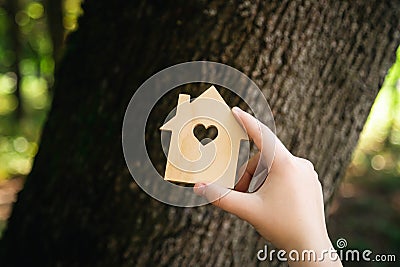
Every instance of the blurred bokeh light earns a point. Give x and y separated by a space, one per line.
27 64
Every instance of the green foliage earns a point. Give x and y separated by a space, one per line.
368 213
26 78
378 150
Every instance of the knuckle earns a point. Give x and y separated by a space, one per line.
305 163
308 164
289 159
310 167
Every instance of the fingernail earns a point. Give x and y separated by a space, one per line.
236 113
199 188
236 110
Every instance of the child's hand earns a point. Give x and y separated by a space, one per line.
288 208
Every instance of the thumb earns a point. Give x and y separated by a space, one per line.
238 203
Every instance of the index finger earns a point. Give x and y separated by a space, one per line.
271 148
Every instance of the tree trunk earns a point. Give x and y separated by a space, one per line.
54 14
319 62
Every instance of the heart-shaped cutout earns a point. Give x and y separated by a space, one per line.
205 135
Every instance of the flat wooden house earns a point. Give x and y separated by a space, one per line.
212 159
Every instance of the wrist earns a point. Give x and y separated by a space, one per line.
317 251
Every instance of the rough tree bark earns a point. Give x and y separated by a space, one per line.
320 62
